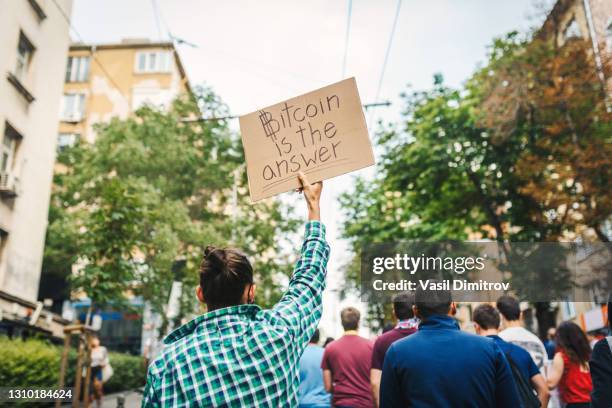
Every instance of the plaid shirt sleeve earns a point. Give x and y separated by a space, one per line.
150 398
301 306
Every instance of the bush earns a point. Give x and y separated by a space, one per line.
129 373
36 363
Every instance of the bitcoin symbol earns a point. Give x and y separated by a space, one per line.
267 122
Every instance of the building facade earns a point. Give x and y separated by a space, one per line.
590 20
112 81
35 41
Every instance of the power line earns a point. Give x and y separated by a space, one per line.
156 16
91 51
346 37
389 45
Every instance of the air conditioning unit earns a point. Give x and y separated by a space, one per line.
8 184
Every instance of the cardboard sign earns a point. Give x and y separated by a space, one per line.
322 133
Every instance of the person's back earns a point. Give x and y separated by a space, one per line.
601 368
237 354
440 366
514 333
601 373
312 392
346 365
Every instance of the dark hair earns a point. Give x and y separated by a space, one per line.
327 341
402 305
349 316
572 340
224 273
486 316
315 336
509 307
388 327
431 302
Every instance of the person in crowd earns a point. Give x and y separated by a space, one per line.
387 327
514 332
549 344
346 365
570 368
99 360
601 368
237 354
441 366
406 325
327 341
311 393
486 321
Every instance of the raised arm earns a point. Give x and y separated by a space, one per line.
300 307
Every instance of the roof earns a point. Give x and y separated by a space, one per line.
137 43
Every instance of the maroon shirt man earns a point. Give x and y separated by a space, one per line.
407 324
346 365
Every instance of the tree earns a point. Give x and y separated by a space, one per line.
518 154
134 211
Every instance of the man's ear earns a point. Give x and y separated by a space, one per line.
252 293
477 328
200 294
453 309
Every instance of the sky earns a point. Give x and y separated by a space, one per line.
257 53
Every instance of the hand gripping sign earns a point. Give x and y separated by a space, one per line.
322 133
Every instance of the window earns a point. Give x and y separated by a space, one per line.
73 107
66 140
153 61
77 69
572 30
25 49
8 148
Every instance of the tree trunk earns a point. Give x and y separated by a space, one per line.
545 318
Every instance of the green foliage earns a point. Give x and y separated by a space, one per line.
36 363
519 153
148 196
129 372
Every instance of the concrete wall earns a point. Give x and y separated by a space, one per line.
24 217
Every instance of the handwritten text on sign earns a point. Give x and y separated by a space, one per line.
322 133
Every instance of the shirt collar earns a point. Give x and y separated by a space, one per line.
189 327
435 322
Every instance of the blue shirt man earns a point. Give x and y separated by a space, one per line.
440 366
311 393
486 322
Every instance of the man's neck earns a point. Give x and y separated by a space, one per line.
351 333
512 323
489 332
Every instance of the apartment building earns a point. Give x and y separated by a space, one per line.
590 20
113 80
35 41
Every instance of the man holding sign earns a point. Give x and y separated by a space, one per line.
237 354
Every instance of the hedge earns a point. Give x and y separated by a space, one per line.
36 363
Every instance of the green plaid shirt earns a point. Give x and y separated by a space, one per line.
244 356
